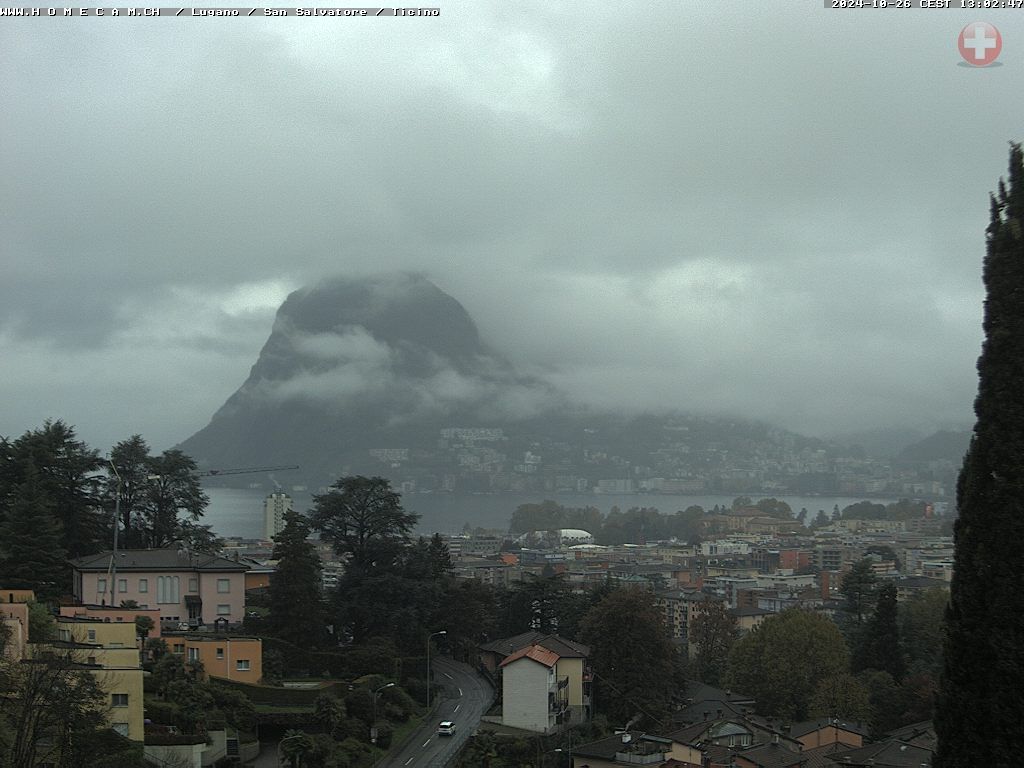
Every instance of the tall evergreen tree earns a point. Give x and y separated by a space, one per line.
129 478
980 707
879 645
296 606
66 470
31 555
364 520
173 489
637 668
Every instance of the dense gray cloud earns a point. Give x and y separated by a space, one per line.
773 209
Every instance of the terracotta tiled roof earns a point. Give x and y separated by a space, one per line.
562 646
537 653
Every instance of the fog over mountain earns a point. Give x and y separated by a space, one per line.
771 210
356 363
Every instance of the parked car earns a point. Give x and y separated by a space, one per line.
446 728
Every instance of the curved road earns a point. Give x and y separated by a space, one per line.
467 696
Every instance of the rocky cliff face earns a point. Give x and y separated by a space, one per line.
353 364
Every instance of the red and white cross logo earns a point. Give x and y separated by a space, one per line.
980 43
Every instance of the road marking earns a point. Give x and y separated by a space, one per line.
408 761
457 708
448 676
460 691
426 742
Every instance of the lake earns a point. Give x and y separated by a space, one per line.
239 512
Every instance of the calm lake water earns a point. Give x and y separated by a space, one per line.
239 512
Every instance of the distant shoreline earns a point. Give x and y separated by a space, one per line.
239 512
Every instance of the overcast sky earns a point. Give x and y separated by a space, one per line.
770 209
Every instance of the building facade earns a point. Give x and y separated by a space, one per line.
275 506
185 587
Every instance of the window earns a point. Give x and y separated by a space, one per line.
122 585
92 660
119 618
101 586
193 584
168 589
91 634
193 654
179 648
223 610
242 665
65 635
220 653
119 699
223 586
121 728
143 585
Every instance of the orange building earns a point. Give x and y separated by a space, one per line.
114 615
17 596
226 657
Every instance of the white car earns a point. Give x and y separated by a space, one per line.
446 728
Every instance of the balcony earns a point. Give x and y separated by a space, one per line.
634 758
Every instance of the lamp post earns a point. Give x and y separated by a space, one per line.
373 728
117 522
432 634
567 751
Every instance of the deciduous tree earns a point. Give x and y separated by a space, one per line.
842 696
712 634
782 662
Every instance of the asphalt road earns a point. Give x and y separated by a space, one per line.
467 696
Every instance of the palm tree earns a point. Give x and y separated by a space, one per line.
295 745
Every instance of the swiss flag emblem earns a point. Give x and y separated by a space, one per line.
980 43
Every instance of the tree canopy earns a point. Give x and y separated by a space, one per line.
636 666
364 520
782 662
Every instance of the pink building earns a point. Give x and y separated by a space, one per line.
183 586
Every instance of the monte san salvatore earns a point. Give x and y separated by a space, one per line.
388 375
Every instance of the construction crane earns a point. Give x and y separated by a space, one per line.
244 471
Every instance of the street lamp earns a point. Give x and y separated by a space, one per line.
568 751
373 728
117 521
432 634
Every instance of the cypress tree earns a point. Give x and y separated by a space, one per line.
879 646
980 707
296 607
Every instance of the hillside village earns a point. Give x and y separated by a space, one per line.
144 619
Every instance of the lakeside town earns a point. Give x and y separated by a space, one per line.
307 649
